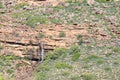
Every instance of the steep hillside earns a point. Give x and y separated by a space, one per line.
81 42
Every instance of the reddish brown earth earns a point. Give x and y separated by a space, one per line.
20 39
23 37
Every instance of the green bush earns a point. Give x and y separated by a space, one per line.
44 67
55 21
62 34
41 76
116 49
92 57
21 5
109 54
80 40
107 68
9 57
102 1
18 65
116 63
63 65
76 77
79 36
75 56
88 76
41 35
57 53
1 5
74 49
10 71
1 47
100 61
57 8
33 20
65 73
1 77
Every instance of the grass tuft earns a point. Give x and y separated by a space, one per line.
91 57
75 56
75 77
63 65
1 77
1 5
21 5
88 76
41 35
62 34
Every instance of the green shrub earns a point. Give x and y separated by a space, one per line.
1 63
50 37
85 66
9 57
101 0
74 49
1 47
76 77
116 49
88 76
79 36
41 76
1 77
44 67
107 68
62 34
21 5
57 8
65 73
55 21
57 53
63 65
69 1
100 61
109 54
41 35
10 71
18 65
116 63
75 56
80 40
1 5
33 20
91 57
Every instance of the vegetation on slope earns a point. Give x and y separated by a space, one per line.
96 60
74 13
8 66
83 62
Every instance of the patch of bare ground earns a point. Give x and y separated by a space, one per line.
25 72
